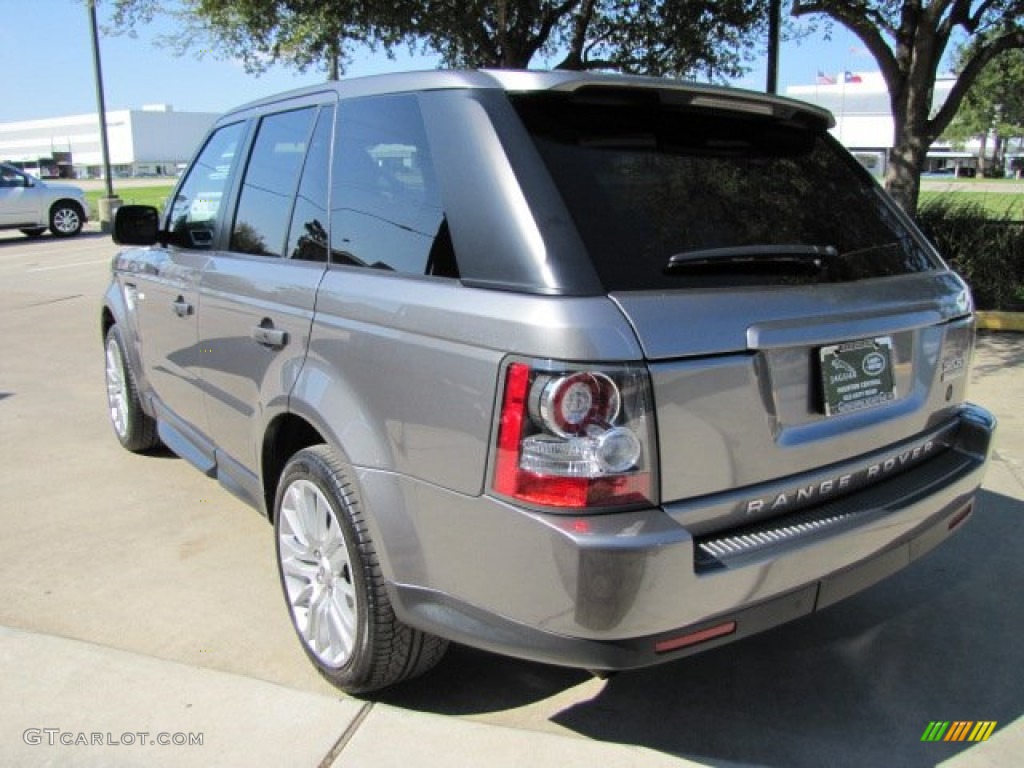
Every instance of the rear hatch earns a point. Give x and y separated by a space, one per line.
792 318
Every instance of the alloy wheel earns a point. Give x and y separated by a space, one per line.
318 579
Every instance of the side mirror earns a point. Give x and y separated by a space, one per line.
136 225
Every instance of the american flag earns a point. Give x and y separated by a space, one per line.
824 79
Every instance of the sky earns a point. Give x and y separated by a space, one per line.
46 58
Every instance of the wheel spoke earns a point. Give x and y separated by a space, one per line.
344 587
299 568
293 548
341 631
321 517
314 625
293 522
308 514
303 597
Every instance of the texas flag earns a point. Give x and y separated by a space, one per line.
850 77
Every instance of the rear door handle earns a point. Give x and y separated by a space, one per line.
266 334
181 307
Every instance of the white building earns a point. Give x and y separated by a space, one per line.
151 140
864 124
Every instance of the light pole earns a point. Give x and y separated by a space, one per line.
774 23
108 205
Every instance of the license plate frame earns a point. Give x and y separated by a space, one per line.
856 375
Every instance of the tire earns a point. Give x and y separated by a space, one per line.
66 219
134 428
33 231
332 581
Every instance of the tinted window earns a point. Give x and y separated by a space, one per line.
645 182
386 212
307 235
268 189
196 210
9 177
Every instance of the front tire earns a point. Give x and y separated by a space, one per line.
135 429
332 581
66 219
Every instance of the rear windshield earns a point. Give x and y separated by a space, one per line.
668 197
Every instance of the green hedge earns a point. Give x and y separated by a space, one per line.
987 249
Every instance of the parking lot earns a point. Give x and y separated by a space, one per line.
145 554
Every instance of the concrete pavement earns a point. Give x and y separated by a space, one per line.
71 703
139 597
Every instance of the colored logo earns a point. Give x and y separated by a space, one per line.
959 730
874 363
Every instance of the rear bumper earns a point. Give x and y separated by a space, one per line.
628 590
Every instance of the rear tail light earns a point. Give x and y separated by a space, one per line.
573 437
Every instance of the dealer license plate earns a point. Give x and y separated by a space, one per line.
857 374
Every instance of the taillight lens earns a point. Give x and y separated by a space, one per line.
575 437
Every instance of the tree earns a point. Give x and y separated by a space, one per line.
994 106
651 37
657 37
909 39
297 33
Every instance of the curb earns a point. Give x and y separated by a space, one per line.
992 320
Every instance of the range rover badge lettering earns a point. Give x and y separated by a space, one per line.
797 497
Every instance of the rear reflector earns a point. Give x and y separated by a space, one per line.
959 517
695 638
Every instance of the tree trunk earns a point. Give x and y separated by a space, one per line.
982 149
903 174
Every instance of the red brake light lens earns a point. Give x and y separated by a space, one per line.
574 439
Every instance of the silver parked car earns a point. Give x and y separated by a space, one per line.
591 370
33 205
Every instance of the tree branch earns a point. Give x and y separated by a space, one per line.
980 57
845 13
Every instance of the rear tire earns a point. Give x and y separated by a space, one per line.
66 219
333 584
135 429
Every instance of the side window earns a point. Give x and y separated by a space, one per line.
11 178
386 212
307 235
268 188
196 210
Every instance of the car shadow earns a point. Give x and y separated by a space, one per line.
472 682
1003 350
13 237
856 684
161 451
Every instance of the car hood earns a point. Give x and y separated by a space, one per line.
68 189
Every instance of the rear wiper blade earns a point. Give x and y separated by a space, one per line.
807 255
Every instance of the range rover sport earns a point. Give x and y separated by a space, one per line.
591 370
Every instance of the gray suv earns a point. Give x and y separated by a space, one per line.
590 370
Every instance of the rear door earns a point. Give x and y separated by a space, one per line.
258 291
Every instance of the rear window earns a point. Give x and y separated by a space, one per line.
669 197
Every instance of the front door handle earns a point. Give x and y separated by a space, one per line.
181 307
266 334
